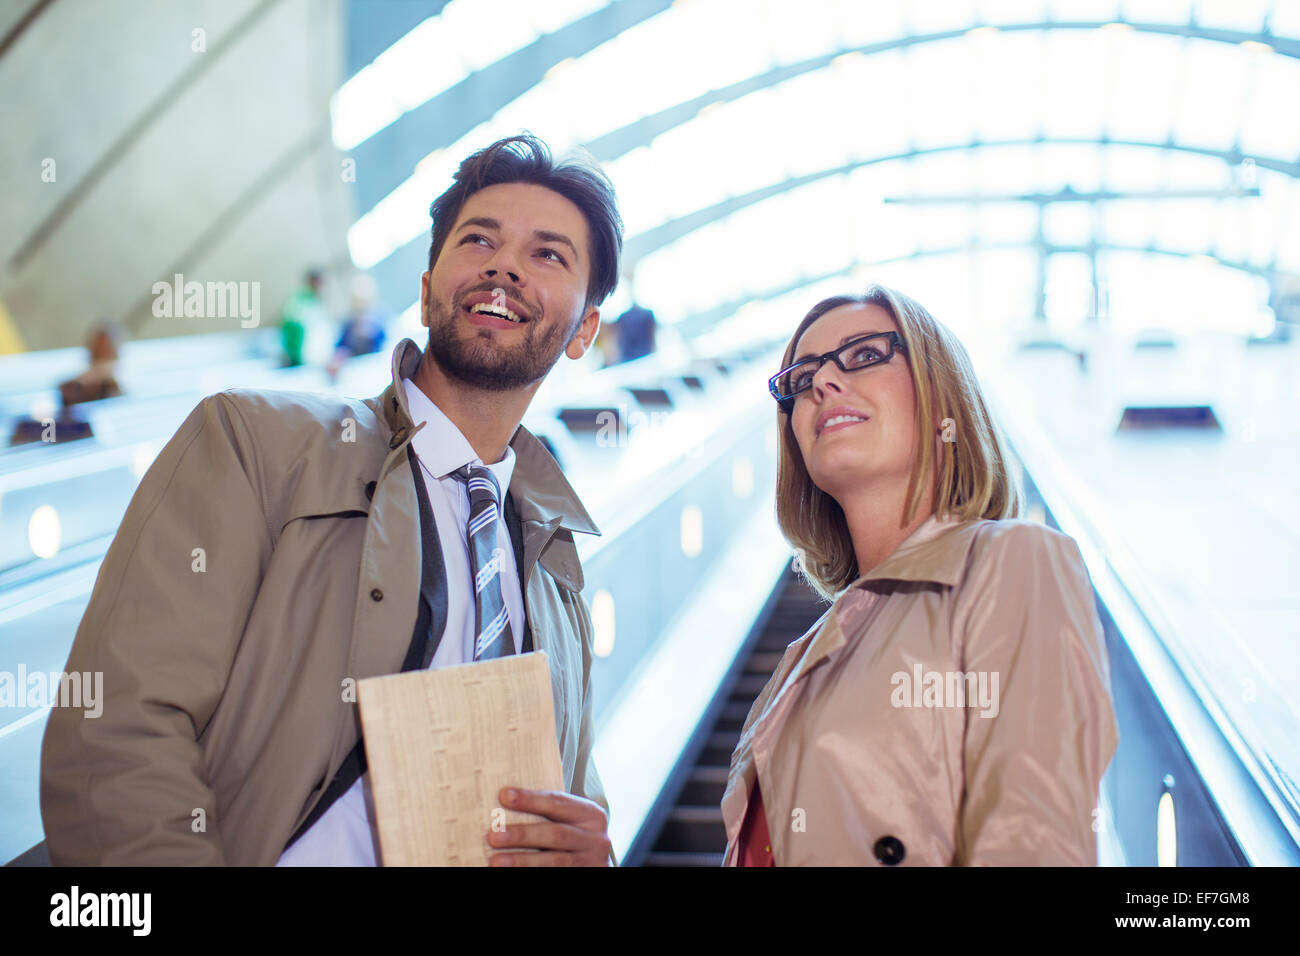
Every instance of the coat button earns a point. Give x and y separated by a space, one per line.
889 850
376 594
399 436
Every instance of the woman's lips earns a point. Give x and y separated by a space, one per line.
831 415
841 426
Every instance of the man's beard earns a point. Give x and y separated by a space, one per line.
479 362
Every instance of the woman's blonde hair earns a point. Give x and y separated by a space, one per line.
975 478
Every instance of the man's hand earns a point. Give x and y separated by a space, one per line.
574 834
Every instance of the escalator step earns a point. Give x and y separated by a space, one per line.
692 830
704 787
718 748
732 718
683 859
736 710
778 635
707 775
685 813
749 686
762 663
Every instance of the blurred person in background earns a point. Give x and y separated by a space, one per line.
99 380
302 318
362 331
952 707
636 327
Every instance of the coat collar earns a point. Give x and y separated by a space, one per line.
538 487
935 552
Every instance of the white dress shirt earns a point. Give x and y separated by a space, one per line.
345 834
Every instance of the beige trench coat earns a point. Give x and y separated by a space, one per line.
951 708
224 716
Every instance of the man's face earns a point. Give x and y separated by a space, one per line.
506 294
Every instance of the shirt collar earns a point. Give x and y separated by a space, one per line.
541 492
442 447
936 551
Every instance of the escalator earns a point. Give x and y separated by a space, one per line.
685 827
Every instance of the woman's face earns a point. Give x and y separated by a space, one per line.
873 441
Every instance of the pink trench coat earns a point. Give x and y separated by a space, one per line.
951 708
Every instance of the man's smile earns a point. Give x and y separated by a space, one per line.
494 309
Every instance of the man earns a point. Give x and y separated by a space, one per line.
635 327
284 546
362 331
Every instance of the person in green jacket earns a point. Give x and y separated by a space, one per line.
301 310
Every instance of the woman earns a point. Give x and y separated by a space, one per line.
953 706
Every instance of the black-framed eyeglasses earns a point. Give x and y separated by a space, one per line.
863 352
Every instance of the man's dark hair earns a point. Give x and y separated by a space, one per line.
526 159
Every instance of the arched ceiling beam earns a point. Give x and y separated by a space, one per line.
644 243
614 144
700 322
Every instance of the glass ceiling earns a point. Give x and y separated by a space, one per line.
758 145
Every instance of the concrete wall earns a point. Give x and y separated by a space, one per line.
147 138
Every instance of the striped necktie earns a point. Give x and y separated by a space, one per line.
493 637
